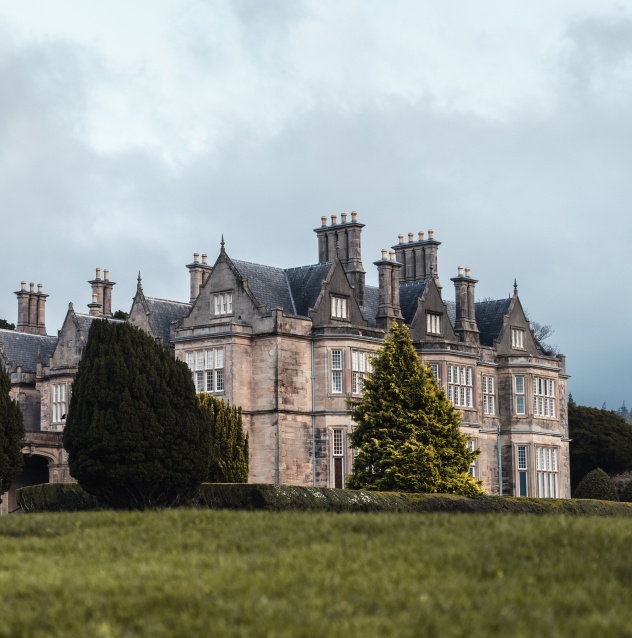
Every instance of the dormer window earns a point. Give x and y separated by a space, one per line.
223 303
517 338
339 307
433 323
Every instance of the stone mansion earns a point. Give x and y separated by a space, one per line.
292 347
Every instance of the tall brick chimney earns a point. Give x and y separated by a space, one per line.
465 325
388 309
31 309
344 240
418 257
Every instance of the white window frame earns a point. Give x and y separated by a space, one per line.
223 304
436 371
520 396
517 338
59 400
522 470
207 369
544 397
489 395
336 362
339 307
433 323
546 468
460 386
472 446
360 367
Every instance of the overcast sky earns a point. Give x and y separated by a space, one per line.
133 134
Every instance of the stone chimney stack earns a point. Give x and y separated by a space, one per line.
418 257
23 308
107 294
343 240
199 273
31 309
102 288
41 311
465 325
95 306
388 310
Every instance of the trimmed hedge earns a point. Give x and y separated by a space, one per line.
69 497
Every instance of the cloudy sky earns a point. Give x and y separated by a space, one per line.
134 134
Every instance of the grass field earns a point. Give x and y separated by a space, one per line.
219 573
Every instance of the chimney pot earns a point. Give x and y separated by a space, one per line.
39 288
204 258
343 218
106 274
392 255
196 258
410 237
421 235
384 253
334 220
467 272
23 285
431 234
460 271
98 275
354 216
94 297
323 221
401 239
32 287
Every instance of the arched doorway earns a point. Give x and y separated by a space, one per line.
34 472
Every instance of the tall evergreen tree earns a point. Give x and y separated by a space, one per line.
11 435
135 433
228 446
408 436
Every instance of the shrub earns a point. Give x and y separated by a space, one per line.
11 435
626 493
55 497
597 485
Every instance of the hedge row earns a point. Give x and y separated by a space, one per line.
69 497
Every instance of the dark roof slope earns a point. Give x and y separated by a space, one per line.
85 321
305 285
489 318
372 301
23 349
268 284
163 312
408 297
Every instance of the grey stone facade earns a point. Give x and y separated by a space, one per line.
291 346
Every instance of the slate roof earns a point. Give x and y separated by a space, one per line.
489 318
409 294
268 284
369 310
163 312
85 321
451 310
23 349
305 284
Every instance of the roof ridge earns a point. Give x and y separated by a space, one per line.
322 263
184 303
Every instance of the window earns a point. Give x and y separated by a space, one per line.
472 447
489 395
546 471
517 338
59 403
223 303
543 397
433 323
207 369
338 451
336 371
519 395
435 371
360 366
338 307
523 472
460 385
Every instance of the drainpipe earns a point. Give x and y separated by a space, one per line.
500 464
313 423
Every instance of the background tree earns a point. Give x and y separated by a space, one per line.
120 314
135 434
408 436
5 325
228 461
596 484
11 435
599 438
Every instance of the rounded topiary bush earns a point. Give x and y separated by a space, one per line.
597 485
626 493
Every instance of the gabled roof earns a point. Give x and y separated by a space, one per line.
305 284
489 318
23 349
268 284
162 312
409 295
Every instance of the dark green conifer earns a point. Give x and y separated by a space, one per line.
408 437
11 435
135 434
598 485
228 446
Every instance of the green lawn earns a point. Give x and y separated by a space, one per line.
220 573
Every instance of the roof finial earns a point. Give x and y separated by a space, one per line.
222 244
515 287
139 277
